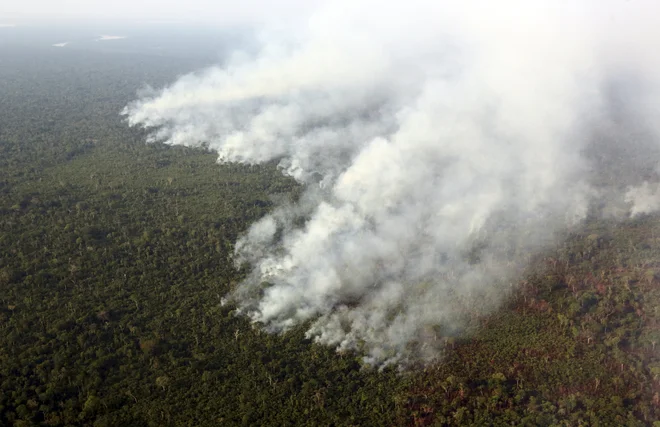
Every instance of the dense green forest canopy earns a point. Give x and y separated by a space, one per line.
115 256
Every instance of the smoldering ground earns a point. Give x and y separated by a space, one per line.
439 144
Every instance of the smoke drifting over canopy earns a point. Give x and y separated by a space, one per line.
440 144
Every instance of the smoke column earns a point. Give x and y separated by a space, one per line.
440 145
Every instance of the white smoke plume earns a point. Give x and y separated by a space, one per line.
440 145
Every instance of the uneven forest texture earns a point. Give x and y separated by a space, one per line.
115 256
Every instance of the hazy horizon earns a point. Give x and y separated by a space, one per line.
149 12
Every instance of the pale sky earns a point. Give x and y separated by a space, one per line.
181 11
222 12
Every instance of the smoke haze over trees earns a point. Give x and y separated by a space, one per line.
116 255
440 146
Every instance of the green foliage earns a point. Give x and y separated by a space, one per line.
116 256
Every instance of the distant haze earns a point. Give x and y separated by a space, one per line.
163 12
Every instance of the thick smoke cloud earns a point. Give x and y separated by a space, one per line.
440 146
